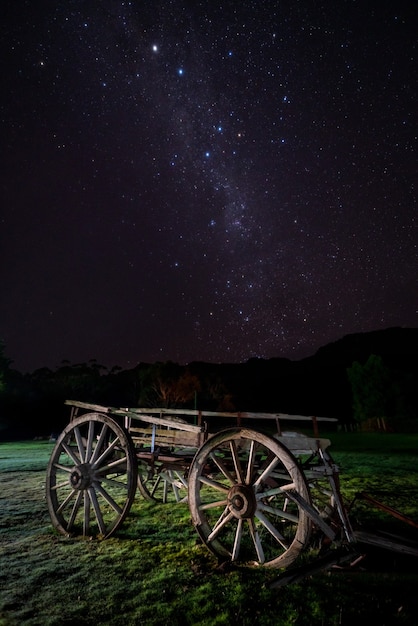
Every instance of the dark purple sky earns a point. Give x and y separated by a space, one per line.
205 181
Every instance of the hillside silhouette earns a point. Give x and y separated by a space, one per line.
33 404
318 385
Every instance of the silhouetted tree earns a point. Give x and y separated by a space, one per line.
168 385
371 390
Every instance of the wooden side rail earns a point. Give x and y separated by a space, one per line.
174 418
88 405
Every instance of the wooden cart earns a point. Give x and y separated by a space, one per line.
256 496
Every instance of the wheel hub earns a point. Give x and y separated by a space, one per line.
242 502
81 477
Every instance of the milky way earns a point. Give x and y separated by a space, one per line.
200 181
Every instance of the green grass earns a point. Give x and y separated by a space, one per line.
155 570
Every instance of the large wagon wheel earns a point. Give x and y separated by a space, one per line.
91 477
248 499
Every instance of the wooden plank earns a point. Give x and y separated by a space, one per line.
161 411
87 405
388 509
300 444
165 437
236 415
166 421
394 545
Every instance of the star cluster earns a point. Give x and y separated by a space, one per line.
192 181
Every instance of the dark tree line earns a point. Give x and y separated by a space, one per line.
382 398
355 385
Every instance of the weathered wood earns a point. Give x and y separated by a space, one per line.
224 478
87 405
388 509
165 437
241 487
91 477
300 444
160 421
174 417
395 544
234 415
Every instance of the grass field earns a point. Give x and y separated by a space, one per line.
155 571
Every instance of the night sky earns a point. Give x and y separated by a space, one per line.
205 181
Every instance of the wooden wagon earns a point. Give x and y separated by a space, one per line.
255 495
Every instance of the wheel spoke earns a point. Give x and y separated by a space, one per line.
181 481
312 513
74 511
272 530
105 453
224 519
274 491
157 482
174 486
64 468
266 472
237 541
80 444
86 520
250 463
110 466
236 460
99 444
165 491
70 453
222 467
113 482
176 492
90 439
213 483
97 511
256 541
66 501
277 512
115 506
213 505
58 486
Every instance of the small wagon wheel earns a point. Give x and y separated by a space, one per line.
91 477
159 483
245 496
